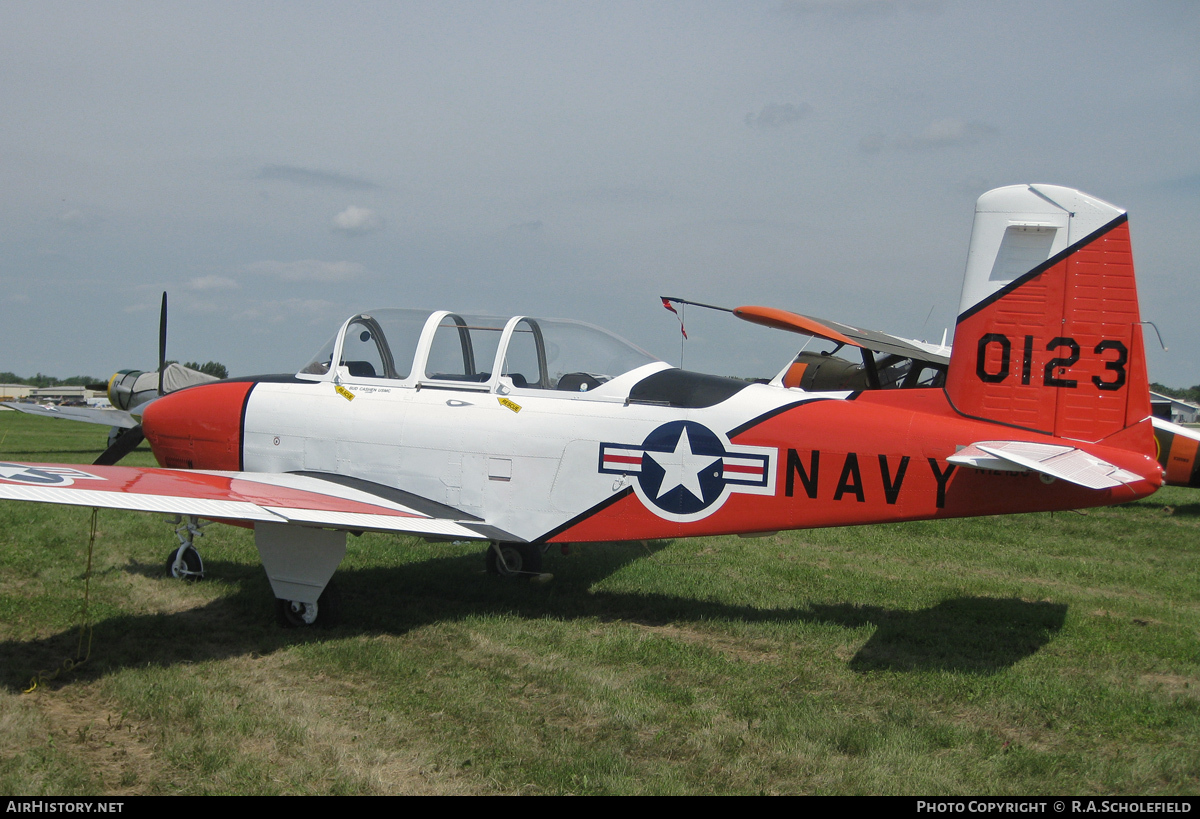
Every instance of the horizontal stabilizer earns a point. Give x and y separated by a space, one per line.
1068 463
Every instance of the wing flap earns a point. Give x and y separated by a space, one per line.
244 496
1064 462
357 521
89 415
171 505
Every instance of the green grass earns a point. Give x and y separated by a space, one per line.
1039 654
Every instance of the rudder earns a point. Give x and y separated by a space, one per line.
1048 336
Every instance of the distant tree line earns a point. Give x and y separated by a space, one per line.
1187 393
41 380
213 368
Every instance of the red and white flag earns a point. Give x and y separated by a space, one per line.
667 304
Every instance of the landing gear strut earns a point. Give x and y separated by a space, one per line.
184 562
519 560
300 561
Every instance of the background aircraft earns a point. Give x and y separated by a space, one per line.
901 362
907 363
527 432
128 391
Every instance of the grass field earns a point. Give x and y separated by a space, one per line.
1038 654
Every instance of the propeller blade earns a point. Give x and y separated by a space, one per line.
121 447
162 343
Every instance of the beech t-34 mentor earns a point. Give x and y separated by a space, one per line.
526 432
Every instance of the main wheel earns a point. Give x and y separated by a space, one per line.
522 560
322 614
185 564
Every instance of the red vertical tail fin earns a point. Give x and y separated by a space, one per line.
1048 337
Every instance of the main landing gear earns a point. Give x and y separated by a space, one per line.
322 614
184 562
516 560
300 562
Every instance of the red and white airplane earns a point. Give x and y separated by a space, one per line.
526 432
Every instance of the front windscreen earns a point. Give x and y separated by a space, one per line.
378 344
319 364
382 343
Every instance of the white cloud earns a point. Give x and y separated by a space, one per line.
77 219
854 8
624 195
356 221
294 311
946 133
777 115
212 283
532 226
309 270
313 178
872 143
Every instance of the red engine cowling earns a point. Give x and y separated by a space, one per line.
199 427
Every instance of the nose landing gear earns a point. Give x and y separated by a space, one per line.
184 563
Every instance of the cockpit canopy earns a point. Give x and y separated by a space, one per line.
421 348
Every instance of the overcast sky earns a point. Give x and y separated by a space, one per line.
279 166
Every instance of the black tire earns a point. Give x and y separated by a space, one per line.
186 565
521 560
327 613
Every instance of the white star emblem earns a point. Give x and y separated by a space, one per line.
45 475
682 467
26 474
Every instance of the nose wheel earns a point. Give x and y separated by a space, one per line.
184 563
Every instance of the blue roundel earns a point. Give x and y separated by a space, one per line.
682 469
29 474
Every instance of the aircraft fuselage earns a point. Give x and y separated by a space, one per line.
540 465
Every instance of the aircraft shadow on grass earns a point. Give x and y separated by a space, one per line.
976 635
967 634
